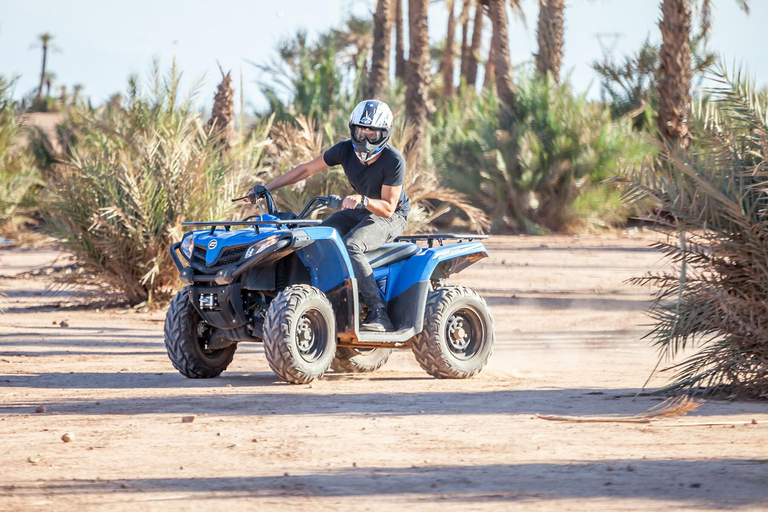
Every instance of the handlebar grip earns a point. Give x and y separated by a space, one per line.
334 202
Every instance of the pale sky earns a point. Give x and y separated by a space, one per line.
102 41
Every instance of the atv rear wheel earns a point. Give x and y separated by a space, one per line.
300 334
185 337
359 359
458 336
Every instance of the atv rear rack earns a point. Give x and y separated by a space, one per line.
255 223
431 239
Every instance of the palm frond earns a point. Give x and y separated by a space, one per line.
713 301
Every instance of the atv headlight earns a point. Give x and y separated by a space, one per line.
260 246
186 246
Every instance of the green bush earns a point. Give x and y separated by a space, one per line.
529 174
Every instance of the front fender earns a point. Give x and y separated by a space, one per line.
438 263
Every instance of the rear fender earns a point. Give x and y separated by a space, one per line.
438 263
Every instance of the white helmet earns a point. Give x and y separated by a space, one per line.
370 126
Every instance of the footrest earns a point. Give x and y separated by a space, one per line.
387 337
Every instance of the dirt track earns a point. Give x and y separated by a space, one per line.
568 343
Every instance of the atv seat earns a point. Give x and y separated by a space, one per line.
391 253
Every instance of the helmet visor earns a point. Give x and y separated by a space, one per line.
372 135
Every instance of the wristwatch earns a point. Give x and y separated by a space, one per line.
362 204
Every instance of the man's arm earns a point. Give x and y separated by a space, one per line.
383 207
299 173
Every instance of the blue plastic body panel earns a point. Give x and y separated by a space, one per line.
225 239
420 266
326 258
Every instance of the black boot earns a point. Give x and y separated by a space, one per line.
377 321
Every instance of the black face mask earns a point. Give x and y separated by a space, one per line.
365 150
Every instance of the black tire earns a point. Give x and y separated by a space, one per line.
359 360
300 334
185 348
458 335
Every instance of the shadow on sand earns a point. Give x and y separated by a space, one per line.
532 483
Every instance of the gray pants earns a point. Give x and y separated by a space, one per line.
362 231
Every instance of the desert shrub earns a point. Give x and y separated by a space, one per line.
134 172
527 175
712 300
19 179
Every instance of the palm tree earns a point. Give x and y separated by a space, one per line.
675 71
477 39
223 114
464 54
711 294
449 52
550 38
500 58
354 39
382 36
76 90
417 77
399 41
674 75
489 78
46 45
49 79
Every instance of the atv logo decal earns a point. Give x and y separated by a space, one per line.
212 244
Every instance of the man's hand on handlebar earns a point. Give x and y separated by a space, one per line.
256 193
352 202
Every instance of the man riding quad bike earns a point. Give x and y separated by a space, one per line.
293 283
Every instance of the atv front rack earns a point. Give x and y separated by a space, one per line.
255 223
440 239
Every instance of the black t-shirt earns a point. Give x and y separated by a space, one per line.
388 169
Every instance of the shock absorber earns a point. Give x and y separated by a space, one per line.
281 275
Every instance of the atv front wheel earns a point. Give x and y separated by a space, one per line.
185 337
300 334
458 336
359 360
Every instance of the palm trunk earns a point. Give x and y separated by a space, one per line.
501 58
675 71
449 55
477 39
42 73
382 37
464 39
399 41
490 65
417 79
550 38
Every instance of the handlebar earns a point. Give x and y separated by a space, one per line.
332 201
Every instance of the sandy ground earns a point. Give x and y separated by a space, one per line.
568 343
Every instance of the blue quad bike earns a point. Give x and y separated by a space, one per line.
283 280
